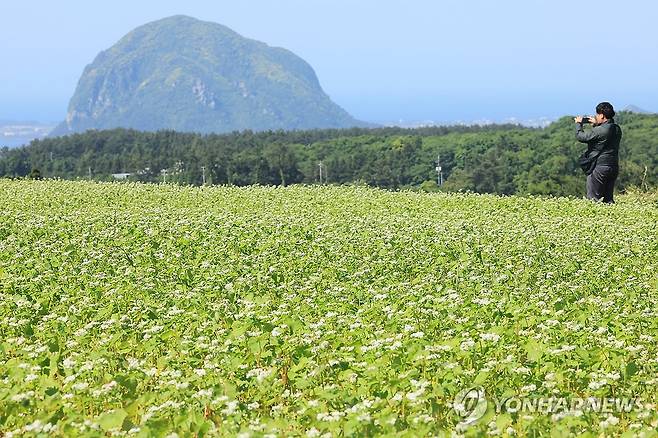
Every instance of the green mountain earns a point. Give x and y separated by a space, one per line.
189 75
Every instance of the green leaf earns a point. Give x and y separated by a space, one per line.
503 421
167 334
631 369
112 420
534 349
481 378
302 383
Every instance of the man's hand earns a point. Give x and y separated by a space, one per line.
579 119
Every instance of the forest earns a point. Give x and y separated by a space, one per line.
502 159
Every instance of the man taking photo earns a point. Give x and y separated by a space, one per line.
602 156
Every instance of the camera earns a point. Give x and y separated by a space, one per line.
587 119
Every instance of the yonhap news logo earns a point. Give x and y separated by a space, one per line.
471 405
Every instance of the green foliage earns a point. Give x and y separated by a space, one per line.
146 310
35 174
494 159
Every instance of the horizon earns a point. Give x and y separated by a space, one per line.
408 76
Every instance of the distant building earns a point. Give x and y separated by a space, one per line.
121 175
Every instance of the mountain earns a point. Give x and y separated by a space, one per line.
188 75
637 110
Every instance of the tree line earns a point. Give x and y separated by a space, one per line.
503 159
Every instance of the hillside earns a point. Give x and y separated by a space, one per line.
188 75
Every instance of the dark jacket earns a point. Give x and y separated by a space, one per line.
605 138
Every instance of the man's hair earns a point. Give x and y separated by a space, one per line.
606 109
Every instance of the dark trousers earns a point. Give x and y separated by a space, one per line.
601 183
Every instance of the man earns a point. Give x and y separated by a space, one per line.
603 149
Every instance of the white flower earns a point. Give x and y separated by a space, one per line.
154 329
563 348
80 332
230 408
329 416
203 393
312 432
596 385
22 396
70 378
80 386
200 372
417 335
259 373
610 421
108 386
134 363
493 337
277 331
88 366
467 344
37 427
395 345
529 388
364 417
413 396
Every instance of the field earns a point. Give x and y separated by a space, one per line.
147 310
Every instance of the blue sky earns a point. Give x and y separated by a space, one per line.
381 60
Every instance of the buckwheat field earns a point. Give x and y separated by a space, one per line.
163 310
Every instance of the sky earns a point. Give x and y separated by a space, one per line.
382 60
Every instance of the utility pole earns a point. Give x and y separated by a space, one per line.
320 165
439 171
164 175
90 174
203 174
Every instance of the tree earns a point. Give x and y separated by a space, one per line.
35 174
